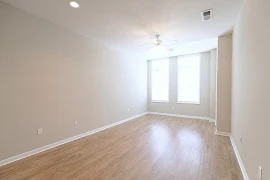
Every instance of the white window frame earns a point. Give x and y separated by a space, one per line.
189 102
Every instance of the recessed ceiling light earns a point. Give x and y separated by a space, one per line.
74 4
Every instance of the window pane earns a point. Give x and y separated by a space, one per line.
160 80
189 79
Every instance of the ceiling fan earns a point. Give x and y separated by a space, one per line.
159 43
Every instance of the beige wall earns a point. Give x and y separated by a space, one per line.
213 79
172 107
224 67
251 87
50 77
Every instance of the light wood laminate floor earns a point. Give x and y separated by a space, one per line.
148 148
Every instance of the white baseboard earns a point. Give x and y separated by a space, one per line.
242 167
53 145
182 116
222 133
243 170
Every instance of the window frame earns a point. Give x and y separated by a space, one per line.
189 102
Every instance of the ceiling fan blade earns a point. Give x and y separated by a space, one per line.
167 48
170 42
146 46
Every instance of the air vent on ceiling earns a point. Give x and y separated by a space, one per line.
207 15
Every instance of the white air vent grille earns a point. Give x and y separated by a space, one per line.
207 15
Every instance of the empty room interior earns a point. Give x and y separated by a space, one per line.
134 90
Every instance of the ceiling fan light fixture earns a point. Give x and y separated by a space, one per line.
74 4
155 41
160 44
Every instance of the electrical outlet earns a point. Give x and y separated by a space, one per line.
75 123
241 139
39 131
260 173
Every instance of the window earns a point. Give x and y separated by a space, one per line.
189 79
160 80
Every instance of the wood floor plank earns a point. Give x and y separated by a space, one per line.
150 148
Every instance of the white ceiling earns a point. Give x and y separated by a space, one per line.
127 24
181 49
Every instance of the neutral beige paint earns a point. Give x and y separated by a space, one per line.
251 87
224 83
213 79
50 77
128 24
172 107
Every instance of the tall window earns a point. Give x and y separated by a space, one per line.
160 80
189 79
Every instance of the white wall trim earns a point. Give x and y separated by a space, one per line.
182 116
212 120
222 133
244 172
53 145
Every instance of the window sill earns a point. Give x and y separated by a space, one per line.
160 101
188 102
